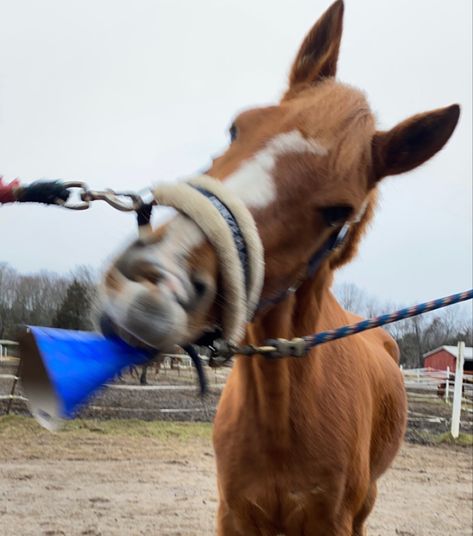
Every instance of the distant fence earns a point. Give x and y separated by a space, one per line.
172 394
438 383
439 400
172 391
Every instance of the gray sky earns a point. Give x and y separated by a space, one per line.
126 93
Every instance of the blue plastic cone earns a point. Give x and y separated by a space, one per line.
61 369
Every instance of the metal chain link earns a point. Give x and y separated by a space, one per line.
125 201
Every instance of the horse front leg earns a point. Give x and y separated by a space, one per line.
233 523
359 523
226 523
319 519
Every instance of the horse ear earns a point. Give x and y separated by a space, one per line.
413 141
318 55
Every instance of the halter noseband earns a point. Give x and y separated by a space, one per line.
237 235
231 230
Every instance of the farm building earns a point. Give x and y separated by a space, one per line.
446 356
8 348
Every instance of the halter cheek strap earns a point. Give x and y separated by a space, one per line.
335 241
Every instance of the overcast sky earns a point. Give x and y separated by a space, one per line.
127 93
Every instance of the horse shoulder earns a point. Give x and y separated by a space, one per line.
378 337
389 403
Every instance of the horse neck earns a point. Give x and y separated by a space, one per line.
267 383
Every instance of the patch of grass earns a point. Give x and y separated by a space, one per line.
464 440
18 425
423 437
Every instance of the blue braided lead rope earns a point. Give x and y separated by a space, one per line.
221 351
382 320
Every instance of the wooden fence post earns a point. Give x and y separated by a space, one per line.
13 387
447 385
457 391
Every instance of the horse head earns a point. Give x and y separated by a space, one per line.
302 169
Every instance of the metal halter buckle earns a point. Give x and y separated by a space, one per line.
221 352
296 347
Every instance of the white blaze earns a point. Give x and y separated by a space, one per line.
253 181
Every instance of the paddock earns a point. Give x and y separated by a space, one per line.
133 477
106 476
151 471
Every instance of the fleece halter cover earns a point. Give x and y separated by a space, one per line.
230 228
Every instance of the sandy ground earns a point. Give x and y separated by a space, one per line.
135 478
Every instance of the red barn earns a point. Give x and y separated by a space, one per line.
446 356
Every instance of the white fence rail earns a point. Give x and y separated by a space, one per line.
438 382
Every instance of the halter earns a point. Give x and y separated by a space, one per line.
230 228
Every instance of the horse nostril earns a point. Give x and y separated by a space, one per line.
154 277
200 286
149 272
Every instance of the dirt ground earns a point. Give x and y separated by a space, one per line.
135 478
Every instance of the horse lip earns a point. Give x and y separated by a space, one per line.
133 340
110 328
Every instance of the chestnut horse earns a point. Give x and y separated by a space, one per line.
299 442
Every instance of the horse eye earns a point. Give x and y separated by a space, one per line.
334 216
233 133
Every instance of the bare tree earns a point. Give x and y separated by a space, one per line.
417 335
351 297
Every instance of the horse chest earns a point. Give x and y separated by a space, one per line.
280 503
